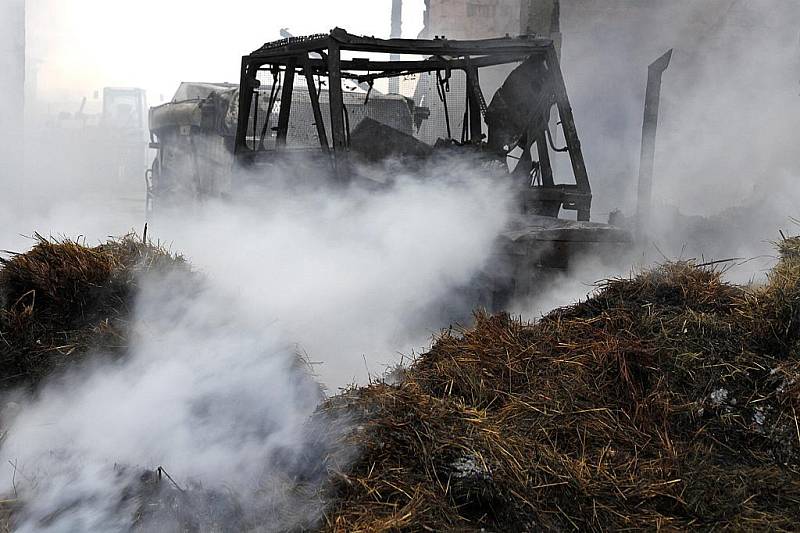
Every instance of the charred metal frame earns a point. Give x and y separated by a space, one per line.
294 56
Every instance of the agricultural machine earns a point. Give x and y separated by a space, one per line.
319 106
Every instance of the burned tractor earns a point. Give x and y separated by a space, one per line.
448 108
317 108
495 99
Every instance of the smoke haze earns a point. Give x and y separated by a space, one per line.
719 133
726 170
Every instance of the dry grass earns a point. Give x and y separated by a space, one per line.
666 401
61 298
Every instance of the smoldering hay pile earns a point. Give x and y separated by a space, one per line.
60 304
668 400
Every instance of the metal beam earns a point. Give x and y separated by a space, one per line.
294 45
475 114
314 96
545 167
286 104
447 47
570 132
443 47
337 112
401 67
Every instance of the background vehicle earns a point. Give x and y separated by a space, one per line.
123 136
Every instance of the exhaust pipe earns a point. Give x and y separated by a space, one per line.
649 126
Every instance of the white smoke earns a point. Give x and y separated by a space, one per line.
211 389
207 394
728 104
348 273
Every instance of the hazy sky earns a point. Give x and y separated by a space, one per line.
80 46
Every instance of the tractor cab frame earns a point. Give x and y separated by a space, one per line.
316 96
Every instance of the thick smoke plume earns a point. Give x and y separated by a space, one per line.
349 273
212 390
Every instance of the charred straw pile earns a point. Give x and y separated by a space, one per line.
61 298
669 400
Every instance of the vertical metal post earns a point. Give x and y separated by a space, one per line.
314 96
545 167
336 99
286 104
652 102
555 27
396 33
245 102
475 117
570 133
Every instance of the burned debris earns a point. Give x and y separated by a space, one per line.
351 202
